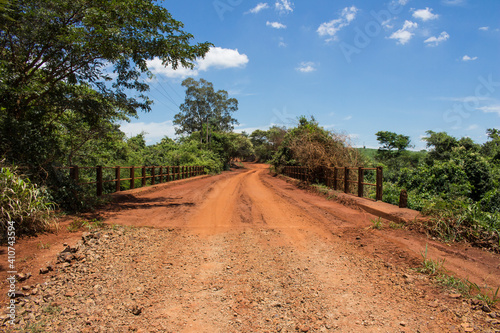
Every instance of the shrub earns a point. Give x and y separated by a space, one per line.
23 203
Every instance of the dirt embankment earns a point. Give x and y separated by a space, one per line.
246 252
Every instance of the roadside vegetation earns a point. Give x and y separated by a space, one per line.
455 182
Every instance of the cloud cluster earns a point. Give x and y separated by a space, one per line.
467 58
260 7
435 41
332 27
306 67
217 57
404 34
425 14
284 6
276 25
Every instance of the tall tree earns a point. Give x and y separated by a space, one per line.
441 145
204 108
80 57
393 144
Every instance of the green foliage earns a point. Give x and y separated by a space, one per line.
70 70
456 184
430 266
23 203
205 110
392 144
266 143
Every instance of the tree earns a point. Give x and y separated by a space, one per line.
83 57
442 145
492 148
393 144
204 108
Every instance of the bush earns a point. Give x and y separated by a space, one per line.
23 203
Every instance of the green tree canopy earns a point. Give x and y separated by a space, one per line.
441 145
393 144
81 58
205 108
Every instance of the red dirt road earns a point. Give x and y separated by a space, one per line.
248 252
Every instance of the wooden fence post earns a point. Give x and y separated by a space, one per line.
361 177
168 174
74 173
117 177
335 177
380 179
132 177
143 176
153 174
99 181
161 174
346 180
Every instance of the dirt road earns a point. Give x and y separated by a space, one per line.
248 252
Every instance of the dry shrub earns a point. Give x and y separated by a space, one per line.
315 148
323 149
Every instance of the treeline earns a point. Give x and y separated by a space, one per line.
455 181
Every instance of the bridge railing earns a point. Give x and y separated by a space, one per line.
347 179
129 177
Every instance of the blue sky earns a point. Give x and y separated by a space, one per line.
358 67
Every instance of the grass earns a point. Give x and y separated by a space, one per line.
92 224
394 225
51 310
42 246
24 203
430 266
466 288
35 328
377 223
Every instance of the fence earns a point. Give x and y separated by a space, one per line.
107 175
341 178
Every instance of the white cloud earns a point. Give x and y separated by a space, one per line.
491 109
156 67
404 34
154 131
425 14
217 57
306 67
276 25
331 28
435 41
260 7
467 58
284 6
472 127
222 58
484 28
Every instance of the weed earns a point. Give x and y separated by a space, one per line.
377 224
429 266
26 258
394 225
35 327
51 310
450 282
25 203
489 300
42 246
76 225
